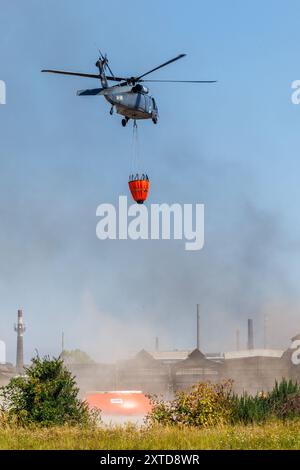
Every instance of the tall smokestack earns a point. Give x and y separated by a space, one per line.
156 344
198 326
20 329
250 344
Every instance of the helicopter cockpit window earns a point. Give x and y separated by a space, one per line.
154 104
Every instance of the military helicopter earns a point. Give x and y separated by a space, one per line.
130 97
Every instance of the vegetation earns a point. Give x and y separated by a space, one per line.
282 402
45 395
272 435
210 404
41 410
206 404
76 356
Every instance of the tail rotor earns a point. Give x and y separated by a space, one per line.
104 61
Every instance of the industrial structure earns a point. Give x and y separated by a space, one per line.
166 372
20 330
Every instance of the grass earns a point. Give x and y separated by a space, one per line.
272 435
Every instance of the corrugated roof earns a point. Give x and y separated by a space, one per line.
253 353
170 355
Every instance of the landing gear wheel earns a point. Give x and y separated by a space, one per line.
154 120
124 122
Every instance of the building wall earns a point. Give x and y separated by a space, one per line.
254 374
249 374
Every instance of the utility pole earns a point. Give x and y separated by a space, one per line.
237 337
265 331
62 341
250 343
198 326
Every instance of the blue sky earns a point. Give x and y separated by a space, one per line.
233 146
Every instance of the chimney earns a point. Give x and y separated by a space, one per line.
198 326
156 344
250 344
20 329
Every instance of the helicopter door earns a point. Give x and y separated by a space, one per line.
148 104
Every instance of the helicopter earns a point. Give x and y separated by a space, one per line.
130 97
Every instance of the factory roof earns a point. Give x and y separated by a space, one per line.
170 356
253 353
181 355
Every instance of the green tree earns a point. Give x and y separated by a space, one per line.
46 395
76 356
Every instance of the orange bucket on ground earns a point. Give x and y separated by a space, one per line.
139 189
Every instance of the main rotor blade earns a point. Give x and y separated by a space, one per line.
181 81
162 65
77 74
88 75
117 79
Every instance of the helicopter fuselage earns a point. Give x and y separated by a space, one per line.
134 105
130 97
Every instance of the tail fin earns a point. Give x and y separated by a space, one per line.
101 64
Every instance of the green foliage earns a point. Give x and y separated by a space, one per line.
282 391
76 356
283 401
248 409
205 405
45 395
210 404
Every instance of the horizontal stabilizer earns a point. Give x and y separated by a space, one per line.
90 92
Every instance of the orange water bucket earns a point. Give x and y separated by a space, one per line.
139 189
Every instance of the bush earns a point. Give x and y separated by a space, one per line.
282 402
45 395
205 405
247 409
209 404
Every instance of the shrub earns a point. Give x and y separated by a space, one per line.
247 409
282 401
204 405
45 395
208 404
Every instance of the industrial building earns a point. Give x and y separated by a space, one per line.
166 372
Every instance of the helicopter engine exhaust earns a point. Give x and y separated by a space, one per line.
139 89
